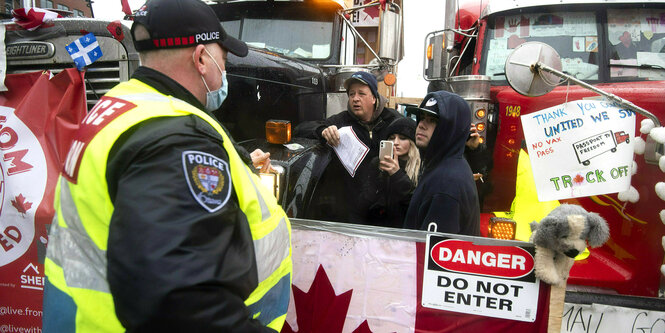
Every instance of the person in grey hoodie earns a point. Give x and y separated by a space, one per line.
446 194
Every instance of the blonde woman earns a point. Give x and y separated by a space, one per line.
398 176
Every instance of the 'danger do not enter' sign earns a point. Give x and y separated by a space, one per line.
580 148
489 280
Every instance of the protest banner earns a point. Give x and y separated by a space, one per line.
580 148
350 278
38 115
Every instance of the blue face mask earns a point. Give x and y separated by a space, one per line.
215 98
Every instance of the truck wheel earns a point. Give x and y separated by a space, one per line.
614 150
586 163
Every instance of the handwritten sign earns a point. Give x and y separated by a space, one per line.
607 318
580 148
487 280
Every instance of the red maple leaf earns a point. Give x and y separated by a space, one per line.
363 328
372 12
320 309
21 205
579 179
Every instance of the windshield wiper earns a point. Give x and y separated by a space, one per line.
642 66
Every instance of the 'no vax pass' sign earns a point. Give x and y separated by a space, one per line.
580 148
488 280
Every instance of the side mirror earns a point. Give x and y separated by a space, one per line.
522 74
391 36
434 64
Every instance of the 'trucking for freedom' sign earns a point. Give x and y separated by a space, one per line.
487 280
580 148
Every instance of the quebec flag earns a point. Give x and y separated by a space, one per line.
84 50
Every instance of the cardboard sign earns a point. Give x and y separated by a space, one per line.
487 280
580 148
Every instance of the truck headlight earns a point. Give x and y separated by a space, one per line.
271 180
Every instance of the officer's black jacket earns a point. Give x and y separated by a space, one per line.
172 265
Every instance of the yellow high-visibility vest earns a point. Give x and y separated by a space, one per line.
76 255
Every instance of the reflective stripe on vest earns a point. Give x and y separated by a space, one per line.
83 263
79 232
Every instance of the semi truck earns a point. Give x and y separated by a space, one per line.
615 48
285 79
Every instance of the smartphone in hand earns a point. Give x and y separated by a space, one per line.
386 149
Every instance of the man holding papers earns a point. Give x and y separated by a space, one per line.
355 135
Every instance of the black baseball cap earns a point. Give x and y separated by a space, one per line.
182 23
429 107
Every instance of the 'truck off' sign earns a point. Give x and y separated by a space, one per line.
580 148
487 280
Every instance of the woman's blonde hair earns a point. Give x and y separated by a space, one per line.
413 163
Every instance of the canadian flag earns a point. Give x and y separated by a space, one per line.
354 283
32 18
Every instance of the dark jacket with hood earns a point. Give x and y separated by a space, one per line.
344 198
446 192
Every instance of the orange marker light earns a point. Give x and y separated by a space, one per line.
278 131
481 113
389 79
502 228
480 127
429 52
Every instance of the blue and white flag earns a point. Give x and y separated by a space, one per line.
84 50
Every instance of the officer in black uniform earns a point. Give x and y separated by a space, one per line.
181 256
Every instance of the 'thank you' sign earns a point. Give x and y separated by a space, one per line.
580 148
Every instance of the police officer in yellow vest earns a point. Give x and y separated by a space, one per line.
160 225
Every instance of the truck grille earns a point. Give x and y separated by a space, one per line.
100 76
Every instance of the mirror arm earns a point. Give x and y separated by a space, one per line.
540 66
653 150
357 34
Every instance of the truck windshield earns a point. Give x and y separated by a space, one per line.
632 40
293 38
637 43
573 34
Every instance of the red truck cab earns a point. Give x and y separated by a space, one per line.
618 47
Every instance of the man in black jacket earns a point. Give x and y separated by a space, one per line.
446 194
343 197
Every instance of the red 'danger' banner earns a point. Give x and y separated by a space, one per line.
38 117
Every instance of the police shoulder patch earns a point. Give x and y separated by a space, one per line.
208 179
